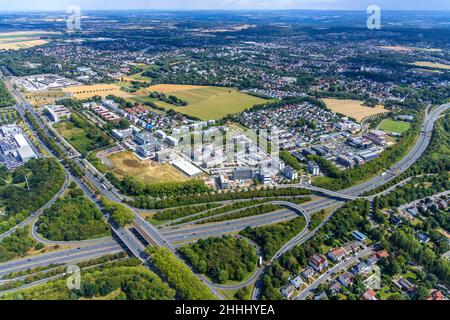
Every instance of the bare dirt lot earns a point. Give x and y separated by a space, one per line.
127 164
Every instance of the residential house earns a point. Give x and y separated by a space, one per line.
337 254
382 254
296 282
307 273
319 262
360 268
287 291
436 295
335 286
369 295
346 279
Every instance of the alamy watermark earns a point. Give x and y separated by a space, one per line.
374 20
73 282
74 18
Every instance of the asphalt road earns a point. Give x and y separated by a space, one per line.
61 256
193 232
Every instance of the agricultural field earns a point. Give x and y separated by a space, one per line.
127 164
431 65
102 90
409 49
394 126
353 108
22 40
207 103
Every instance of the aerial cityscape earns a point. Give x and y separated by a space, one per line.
193 152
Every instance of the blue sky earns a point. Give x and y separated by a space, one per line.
224 4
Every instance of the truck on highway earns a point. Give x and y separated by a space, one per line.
383 174
260 261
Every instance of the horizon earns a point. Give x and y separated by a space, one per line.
224 5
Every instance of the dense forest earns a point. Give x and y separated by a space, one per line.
73 218
272 238
45 178
17 245
123 280
119 213
178 275
222 259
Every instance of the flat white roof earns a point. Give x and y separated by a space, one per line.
26 152
21 141
186 167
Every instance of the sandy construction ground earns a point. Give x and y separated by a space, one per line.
353 108
127 164
102 90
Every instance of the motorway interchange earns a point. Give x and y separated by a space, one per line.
172 237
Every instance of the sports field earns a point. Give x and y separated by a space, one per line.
102 90
353 108
207 103
389 125
431 65
127 164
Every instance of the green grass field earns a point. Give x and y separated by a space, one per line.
212 102
389 125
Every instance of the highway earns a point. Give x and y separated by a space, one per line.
166 238
61 257
126 237
194 232
413 155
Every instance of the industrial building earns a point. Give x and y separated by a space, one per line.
15 150
57 113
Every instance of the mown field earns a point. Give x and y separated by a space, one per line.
389 125
353 108
207 103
